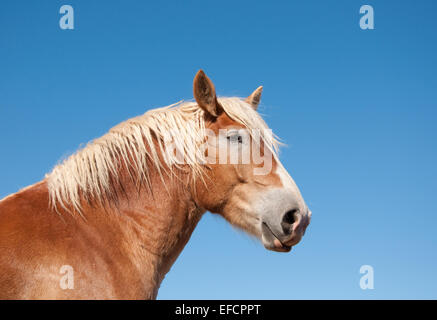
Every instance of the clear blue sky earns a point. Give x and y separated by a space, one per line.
358 111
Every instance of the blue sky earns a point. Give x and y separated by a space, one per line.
356 108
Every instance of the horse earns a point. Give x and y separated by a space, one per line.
109 221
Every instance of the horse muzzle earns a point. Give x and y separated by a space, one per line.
283 236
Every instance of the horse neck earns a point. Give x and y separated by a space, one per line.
152 228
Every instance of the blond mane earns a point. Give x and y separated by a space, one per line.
92 171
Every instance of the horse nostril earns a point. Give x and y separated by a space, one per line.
290 216
288 219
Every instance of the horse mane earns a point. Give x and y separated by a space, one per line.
139 142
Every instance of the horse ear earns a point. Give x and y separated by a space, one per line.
204 93
255 98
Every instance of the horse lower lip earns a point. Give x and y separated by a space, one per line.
279 245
